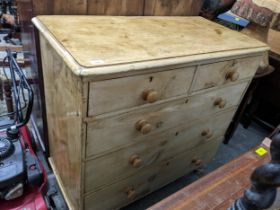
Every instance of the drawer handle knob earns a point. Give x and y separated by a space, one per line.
150 96
207 133
143 126
232 76
197 162
135 161
131 193
221 103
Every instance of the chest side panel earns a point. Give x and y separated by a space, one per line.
64 105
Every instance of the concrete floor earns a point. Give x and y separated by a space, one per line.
242 141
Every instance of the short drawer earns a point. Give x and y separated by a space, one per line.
129 160
111 95
149 179
110 133
215 74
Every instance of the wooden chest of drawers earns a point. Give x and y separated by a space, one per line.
134 103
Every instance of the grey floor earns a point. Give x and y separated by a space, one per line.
242 141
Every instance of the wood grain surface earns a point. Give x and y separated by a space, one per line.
244 68
217 190
139 40
117 7
167 84
162 116
167 7
64 112
151 178
153 149
64 7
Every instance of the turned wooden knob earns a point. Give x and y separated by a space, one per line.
143 126
197 162
232 76
207 133
221 103
150 96
135 161
131 193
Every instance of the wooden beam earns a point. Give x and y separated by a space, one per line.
219 189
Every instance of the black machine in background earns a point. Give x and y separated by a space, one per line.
24 170
18 166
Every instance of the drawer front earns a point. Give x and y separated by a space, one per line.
186 162
129 160
111 95
149 179
213 75
106 134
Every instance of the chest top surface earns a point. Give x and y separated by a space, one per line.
106 44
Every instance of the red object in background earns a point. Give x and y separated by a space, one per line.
32 198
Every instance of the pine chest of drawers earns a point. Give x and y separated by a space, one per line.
134 103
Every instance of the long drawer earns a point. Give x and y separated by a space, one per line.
220 73
108 133
150 179
129 160
133 91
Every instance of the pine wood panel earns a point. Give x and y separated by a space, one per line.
171 7
183 163
59 7
127 92
115 166
40 7
115 7
244 68
149 179
61 86
88 7
161 117
66 7
142 41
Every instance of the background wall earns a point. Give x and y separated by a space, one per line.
117 7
